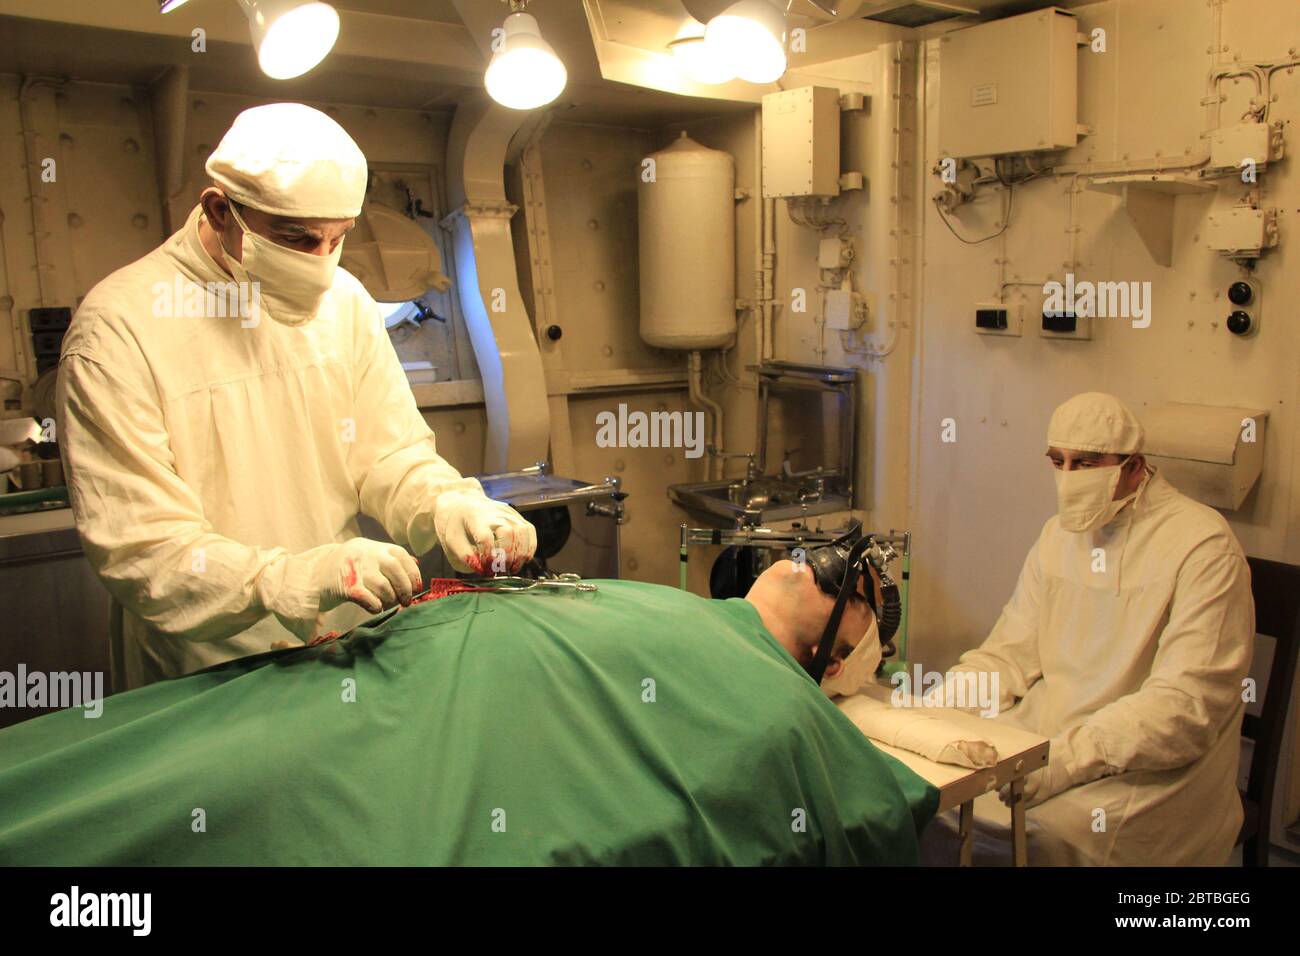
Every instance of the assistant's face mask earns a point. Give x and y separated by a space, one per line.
858 667
291 285
1084 497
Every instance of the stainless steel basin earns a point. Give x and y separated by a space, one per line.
758 499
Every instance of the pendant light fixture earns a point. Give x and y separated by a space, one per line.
290 36
524 72
748 38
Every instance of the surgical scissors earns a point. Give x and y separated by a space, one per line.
503 584
509 583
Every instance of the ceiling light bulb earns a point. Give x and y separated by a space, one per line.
167 6
291 36
524 73
695 58
749 37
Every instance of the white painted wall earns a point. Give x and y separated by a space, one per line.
980 502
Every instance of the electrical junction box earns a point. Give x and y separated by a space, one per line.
1258 142
1009 86
997 318
801 142
834 252
1241 231
1065 325
844 309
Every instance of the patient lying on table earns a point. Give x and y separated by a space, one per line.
636 725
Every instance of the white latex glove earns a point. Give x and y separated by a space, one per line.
475 531
371 574
1041 785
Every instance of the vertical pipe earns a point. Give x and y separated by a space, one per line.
505 344
695 384
169 96
769 273
40 229
20 371
904 588
682 557
760 212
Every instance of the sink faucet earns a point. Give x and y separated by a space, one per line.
751 467
616 494
785 463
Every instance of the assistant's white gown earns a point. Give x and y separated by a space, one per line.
209 463
1128 647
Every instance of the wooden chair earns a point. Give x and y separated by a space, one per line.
1276 588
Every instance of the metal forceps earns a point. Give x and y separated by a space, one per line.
502 584
510 584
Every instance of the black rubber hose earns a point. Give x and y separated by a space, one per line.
891 611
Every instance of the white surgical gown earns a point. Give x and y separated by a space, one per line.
1128 647
204 458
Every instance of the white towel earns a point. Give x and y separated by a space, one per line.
919 731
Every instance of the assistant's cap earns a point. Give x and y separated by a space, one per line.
288 159
1096 422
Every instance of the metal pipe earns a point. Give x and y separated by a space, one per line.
696 386
170 99
35 197
759 207
22 370
769 275
530 471
682 557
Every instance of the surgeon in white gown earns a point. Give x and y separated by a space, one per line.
218 457
1127 642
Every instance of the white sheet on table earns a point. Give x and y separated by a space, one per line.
920 731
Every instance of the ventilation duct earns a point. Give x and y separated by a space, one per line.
914 13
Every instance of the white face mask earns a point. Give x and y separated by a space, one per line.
290 285
1085 497
858 667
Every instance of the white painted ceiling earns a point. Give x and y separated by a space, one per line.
128 41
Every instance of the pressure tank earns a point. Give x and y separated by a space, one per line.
687 226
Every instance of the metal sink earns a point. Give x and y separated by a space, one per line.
761 499
790 492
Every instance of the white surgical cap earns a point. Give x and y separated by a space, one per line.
291 160
1096 422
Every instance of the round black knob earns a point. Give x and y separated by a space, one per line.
553 332
1239 323
1240 293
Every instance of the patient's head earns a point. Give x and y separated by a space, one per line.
796 610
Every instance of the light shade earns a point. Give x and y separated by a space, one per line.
167 6
697 60
524 73
749 36
291 36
